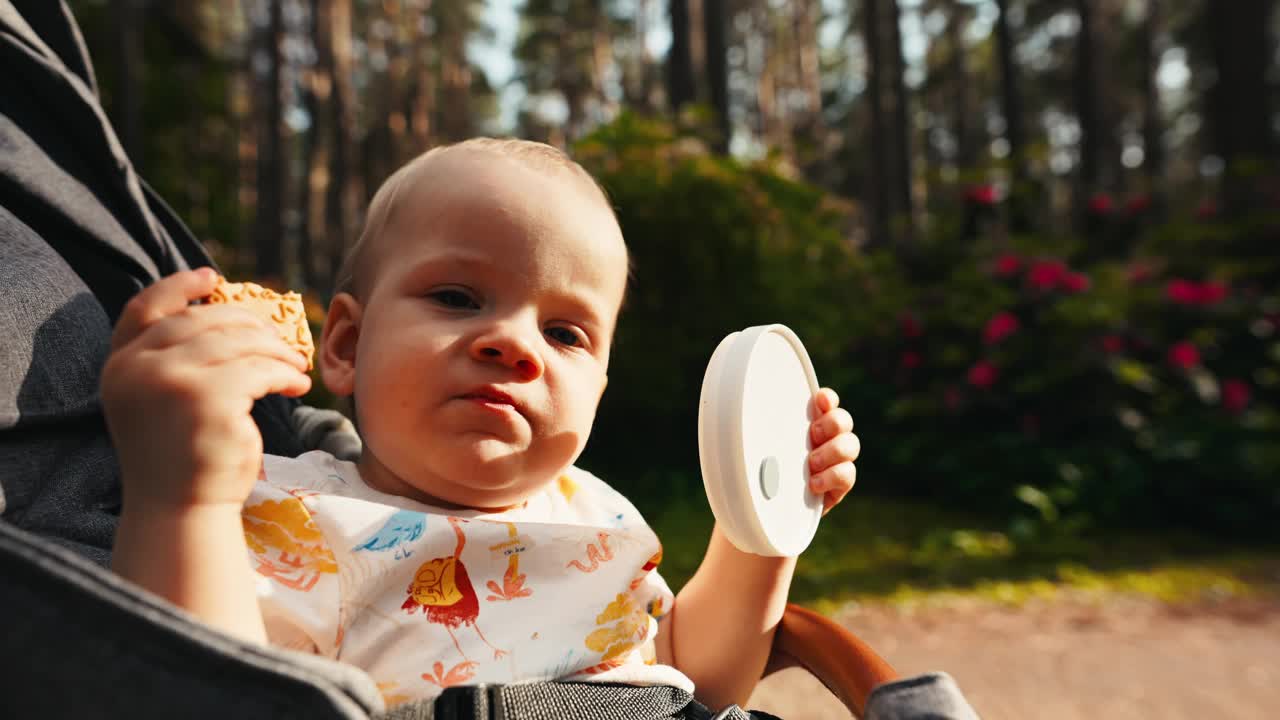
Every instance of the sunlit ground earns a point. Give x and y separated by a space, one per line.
874 549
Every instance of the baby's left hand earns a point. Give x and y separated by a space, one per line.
835 447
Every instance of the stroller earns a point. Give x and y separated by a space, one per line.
62 657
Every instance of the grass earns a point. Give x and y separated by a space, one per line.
875 549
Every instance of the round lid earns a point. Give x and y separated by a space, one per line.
753 440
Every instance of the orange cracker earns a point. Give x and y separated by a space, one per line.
285 312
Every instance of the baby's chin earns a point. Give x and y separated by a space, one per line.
488 474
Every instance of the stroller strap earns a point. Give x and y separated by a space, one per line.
565 701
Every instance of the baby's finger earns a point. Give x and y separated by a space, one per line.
842 448
181 327
221 344
830 425
824 401
257 376
834 483
167 296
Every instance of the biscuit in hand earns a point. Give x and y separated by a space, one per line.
285 311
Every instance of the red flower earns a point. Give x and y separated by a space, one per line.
1184 355
1046 274
911 326
910 360
1074 282
1139 204
1008 265
983 374
1235 395
981 195
1112 344
999 327
1208 210
1183 292
1101 204
1212 293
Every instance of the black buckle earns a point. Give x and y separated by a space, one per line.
467 702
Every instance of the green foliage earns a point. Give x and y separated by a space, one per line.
716 245
1056 383
1121 381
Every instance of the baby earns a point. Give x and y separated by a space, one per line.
473 332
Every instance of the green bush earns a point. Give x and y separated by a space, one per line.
1128 380
716 245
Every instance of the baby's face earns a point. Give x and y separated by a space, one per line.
484 335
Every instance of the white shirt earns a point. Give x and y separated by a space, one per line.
422 598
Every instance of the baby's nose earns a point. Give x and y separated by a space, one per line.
509 349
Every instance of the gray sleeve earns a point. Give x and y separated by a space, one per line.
933 696
327 430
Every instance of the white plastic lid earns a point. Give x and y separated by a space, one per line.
753 441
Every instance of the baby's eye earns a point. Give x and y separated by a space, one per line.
564 336
454 298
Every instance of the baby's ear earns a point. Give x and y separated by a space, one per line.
338 344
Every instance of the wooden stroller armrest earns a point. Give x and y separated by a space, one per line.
839 659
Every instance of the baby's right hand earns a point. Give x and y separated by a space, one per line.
178 388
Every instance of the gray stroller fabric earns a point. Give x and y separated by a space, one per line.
79 642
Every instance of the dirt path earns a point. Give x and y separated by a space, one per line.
1071 659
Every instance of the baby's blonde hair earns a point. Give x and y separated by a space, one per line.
382 207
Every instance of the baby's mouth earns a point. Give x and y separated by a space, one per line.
493 398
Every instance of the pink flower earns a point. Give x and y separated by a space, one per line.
981 195
910 326
910 360
1112 344
1008 265
1208 210
1183 292
1074 282
983 374
1046 274
1184 355
1235 395
1101 204
999 327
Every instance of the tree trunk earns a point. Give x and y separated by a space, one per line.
1152 122
681 86
341 193
269 225
965 156
1239 109
875 188
1089 179
1010 97
455 87
315 89
806 21
127 100
715 24
902 176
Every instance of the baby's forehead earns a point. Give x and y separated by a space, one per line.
461 194
500 165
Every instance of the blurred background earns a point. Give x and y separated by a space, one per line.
1033 244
